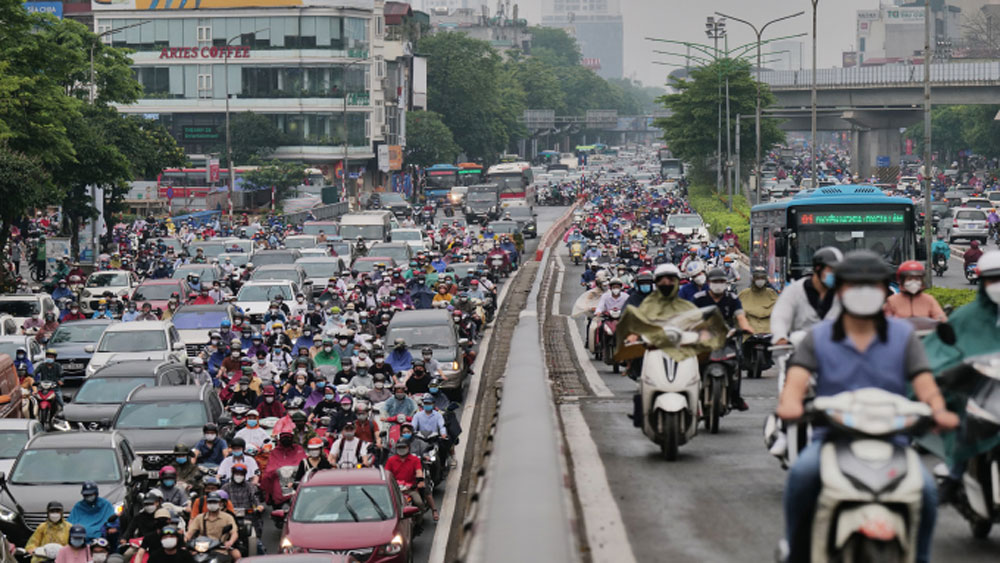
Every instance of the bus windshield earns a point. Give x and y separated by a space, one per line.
892 244
441 180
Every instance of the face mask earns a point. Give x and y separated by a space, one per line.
345 406
406 436
616 292
760 283
300 382
400 396
913 286
76 542
100 557
433 390
328 349
328 397
667 290
209 437
49 360
20 356
168 542
213 506
237 478
168 483
57 516
700 279
343 342
90 499
363 416
645 288
269 400
717 288
428 408
864 300
348 435
300 299
313 453
180 460
829 280
401 452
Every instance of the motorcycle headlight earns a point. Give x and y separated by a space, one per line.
7 515
393 547
454 366
119 507
202 546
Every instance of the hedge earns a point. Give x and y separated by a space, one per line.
954 297
714 209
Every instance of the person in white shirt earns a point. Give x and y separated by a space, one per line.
614 298
252 433
349 449
236 456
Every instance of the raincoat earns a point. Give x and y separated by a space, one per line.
758 304
658 311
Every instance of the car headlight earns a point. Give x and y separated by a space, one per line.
7 515
454 366
286 545
393 547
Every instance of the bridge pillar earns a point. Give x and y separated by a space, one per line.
877 133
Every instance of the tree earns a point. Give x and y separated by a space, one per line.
277 174
24 183
428 139
554 46
541 86
149 146
948 126
691 131
981 34
639 99
254 137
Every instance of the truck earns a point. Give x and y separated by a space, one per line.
482 203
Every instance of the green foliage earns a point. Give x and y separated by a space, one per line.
691 132
151 147
714 210
254 137
948 126
638 99
24 184
280 175
954 297
554 46
428 139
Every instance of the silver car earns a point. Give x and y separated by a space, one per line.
968 224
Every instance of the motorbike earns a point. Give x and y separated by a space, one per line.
869 503
755 354
940 265
719 379
209 550
786 440
497 265
972 273
608 325
427 216
433 464
576 252
46 405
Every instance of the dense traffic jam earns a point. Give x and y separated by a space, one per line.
202 381
869 364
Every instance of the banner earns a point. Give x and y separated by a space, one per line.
98 5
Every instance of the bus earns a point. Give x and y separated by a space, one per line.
193 182
469 174
671 168
438 182
784 235
516 183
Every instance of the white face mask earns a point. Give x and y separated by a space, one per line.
55 516
717 288
913 286
100 557
863 300
760 283
700 279
616 292
993 292
149 509
238 478
168 543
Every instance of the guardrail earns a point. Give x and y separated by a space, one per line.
320 213
983 73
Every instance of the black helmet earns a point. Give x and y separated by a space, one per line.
644 277
862 266
717 274
297 416
53 506
827 256
210 427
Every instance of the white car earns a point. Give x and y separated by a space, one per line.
24 306
690 225
119 282
255 296
416 238
138 340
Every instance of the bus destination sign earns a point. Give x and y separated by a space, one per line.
851 218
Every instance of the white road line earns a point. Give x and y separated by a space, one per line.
602 520
594 380
557 295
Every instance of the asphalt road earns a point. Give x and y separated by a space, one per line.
422 543
721 501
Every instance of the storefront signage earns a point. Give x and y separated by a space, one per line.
199 133
870 15
235 51
852 218
395 157
904 15
54 8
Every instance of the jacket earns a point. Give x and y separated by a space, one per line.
793 312
46 533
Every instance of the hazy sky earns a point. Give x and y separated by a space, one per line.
684 20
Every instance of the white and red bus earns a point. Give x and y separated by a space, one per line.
516 182
193 182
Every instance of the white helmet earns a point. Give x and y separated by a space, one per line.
989 264
693 268
664 270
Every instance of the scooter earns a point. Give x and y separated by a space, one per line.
576 252
940 265
719 379
607 332
209 550
46 404
869 505
755 354
786 440
972 273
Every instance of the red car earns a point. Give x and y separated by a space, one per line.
360 512
158 292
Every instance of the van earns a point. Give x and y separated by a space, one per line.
373 225
10 389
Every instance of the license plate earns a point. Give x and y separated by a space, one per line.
153 474
74 366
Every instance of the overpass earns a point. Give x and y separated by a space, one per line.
875 102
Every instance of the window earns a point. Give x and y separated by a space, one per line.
379 26
379 67
204 34
103 30
205 85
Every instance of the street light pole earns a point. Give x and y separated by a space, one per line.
229 144
759 33
928 220
93 86
715 29
812 142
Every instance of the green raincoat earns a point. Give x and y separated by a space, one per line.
657 311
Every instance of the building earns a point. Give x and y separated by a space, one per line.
598 29
895 33
504 30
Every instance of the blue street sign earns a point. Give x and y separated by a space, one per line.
170 193
882 161
54 8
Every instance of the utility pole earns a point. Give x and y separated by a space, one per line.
715 29
229 144
343 168
812 142
928 170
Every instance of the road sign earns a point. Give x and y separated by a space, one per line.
597 118
539 118
170 192
882 161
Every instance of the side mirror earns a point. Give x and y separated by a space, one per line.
280 514
178 346
89 348
780 245
944 331
408 511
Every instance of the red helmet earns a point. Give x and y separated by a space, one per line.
167 470
910 268
974 244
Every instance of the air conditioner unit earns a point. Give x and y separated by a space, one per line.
383 129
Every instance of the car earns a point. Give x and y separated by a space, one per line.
24 306
302 558
327 228
313 253
255 296
216 247
207 273
341 248
238 259
400 252
236 245
155 419
690 225
290 272
173 243
53 466
158 292
319 269
462 269
396 203
10 344
137 340
366 264
14 434
194 323
968 224
119 282
14 397
416 238
526 217
300 241
70 340
978 203
324 516
96 402
269 257
433 328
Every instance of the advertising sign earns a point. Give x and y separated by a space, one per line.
852 218
199 133
904 15
97 5
223 52
867 15
395 157
383 158
54 8
213 170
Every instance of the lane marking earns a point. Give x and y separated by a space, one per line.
557 294
602 519
594 380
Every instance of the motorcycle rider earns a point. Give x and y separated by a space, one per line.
860 348
55 529
187 469
399 403
314 461
718 295
169 550
252 433
237 456
694 270
211 448
350 449
246 495
643 287
972 255
92 511
911 301
212 523
51 371
758 301
408 470
942 249
77 550
168 487
807 301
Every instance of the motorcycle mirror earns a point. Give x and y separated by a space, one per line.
408 511
280 514
946 333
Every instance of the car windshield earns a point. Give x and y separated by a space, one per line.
481 196
235 258
107 279
133 341
72 332
314 229
10 348
392 197
211 249
12 442
367 232
157 292
519 212
993 196
684 221
277 274
351 503
340 248
432 335
405 235
20 307
323 269
304 242
66 466
504 227
269 258
108 390
185 320
366 266
206 273
264 292
398 253
166 414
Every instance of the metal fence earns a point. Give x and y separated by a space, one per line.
985 73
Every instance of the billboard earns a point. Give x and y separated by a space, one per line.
98 5
54 8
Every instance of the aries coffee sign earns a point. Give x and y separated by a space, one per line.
225 52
